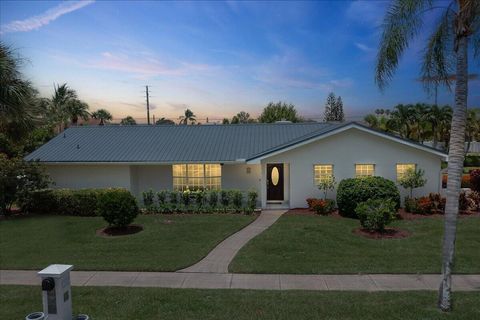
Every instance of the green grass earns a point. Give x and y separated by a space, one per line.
35 242
316 244
178 304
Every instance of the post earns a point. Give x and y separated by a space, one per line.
148 106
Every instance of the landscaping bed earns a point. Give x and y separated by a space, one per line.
177 304
167 243
313 244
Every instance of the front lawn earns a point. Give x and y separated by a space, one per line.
315 245
167 243
178 304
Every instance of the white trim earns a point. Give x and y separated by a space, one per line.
257 160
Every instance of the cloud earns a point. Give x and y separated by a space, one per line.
367 12
45 18
146 66
363 47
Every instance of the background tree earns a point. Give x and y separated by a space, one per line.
188 116
241 117
128 121
446 49
473 126
77 109
330 106
225 121
103 115
20 109
64 107
279 111
339 114
164 121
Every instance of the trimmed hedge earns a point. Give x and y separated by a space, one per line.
82 202
375 214
118 207
353 191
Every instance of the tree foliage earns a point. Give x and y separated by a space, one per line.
103 115
279 111
128 121
334 109
187 117
413 178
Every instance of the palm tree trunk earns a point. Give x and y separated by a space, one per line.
456 156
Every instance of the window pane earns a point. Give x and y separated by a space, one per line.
179 170
322 172
402 168
364 170
213 170
213 183
195 170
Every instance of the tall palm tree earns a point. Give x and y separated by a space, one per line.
438 117
63 97
188 116
77 109
446 48
103 115
20 109
402 118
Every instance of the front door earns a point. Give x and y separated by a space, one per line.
274 181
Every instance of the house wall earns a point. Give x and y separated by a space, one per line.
90 176
344 150
155 177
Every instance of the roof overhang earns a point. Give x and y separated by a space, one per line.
258 158
139 163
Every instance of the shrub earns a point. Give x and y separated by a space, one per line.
41 201
472 160
310 202
148 198
213 198
18 179
323 207
438 202
475 200
162 197
375 214
185 197
355 190
118 207
236 198
465 183
173 196
475 180
424 205
199 198
252 197
410 205
224 198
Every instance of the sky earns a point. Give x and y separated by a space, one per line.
216 58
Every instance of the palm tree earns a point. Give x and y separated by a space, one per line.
473 126
402 118
439 119
103 115
164 121
77 109
128 121
188 116
446 48
20 109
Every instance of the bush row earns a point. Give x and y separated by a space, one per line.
82 202
435 203
167 201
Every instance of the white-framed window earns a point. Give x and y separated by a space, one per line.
364 170
322 172
402 168
197 177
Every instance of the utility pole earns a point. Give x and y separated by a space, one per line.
148 106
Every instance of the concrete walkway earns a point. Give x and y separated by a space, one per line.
219 258
369 282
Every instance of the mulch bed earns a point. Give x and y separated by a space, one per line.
402 214
388 233
119 231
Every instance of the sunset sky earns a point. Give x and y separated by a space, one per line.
217 58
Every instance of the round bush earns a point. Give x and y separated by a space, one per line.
118 207
353 191
375 214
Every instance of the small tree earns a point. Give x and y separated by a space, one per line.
279 111
326 185
413 178
339 114
330 106
128 121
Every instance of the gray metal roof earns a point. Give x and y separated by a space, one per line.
174 143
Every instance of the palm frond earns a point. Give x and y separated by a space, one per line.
439 53
401 23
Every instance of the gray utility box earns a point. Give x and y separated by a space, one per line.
56 292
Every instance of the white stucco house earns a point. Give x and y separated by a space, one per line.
282 161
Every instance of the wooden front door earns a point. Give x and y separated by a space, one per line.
274 181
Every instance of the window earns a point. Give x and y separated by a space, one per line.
402 168
322 172
196 176
364 170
